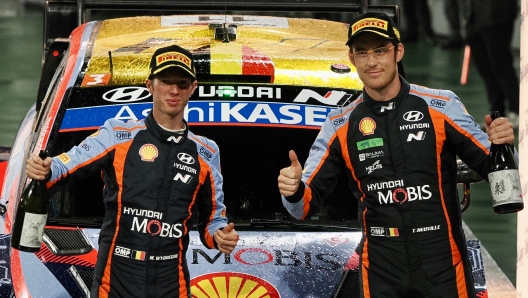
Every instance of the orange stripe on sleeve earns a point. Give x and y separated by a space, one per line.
203 144
89 161
129 129
438 123
206 170
342 134
467 135
424 94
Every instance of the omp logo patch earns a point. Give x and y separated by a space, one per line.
437 103
384 232
206 153
339 121
232 284
129 253
64 158
148 152
123 135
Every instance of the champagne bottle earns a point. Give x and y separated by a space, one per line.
503 176
31 215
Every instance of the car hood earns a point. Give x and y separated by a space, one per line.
279 264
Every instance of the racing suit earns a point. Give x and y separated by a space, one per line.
154 180
400 158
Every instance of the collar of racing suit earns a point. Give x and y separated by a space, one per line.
163 135
383 107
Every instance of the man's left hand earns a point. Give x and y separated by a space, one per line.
500 131
226 239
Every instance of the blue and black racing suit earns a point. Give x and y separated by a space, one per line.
153 180
400 158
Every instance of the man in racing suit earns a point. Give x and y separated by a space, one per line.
156 174
398 144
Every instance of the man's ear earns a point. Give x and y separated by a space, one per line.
194 85
400 52
148 84
351 58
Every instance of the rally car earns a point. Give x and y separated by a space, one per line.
266 84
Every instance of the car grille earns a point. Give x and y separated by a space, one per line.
348 286
66 242
83 278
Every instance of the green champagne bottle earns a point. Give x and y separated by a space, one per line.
503 176
31 215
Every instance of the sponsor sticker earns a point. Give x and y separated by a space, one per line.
413 116
64 158
148 152
374 154
384 232
224 284
437 103
370 143
367 126
129 253
369 22
375 166
185 158
123 135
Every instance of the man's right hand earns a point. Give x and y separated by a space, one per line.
36 168
290 177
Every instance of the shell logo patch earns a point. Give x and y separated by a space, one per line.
148 152
232 285
367 126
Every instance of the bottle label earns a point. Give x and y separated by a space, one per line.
505 187
33 229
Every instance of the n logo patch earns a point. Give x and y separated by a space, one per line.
183 178
417 136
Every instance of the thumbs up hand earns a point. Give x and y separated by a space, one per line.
226 239
290 177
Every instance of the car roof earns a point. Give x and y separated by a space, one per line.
291 51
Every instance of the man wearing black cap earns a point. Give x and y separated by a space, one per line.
398 145
156 174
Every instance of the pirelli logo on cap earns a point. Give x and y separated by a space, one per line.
173 56
64 158
369 22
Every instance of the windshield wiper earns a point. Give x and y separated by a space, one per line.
278 223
